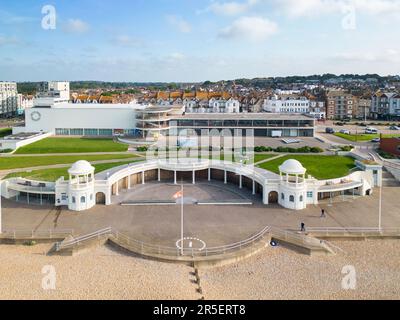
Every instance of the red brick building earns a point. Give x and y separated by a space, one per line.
391 145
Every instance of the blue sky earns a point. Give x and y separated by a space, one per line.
197 40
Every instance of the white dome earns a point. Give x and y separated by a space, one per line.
292 167
81 167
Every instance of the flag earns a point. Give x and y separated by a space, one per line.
178 195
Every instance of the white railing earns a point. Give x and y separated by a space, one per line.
30 189
149 249
37 234
297 238
329 231
79 240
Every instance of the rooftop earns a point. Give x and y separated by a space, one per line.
244 116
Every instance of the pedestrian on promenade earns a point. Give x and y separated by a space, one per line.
323 215
303 227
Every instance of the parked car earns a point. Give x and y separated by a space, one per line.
345 131
330 130
376 140
394 128
371 130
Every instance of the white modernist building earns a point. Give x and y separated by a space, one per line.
80 119
291 189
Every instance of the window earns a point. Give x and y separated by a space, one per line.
310 194
91 197
301 198
91 132
105 132
291 198
283 196
83 199
73 200
76 132
64 196
62 132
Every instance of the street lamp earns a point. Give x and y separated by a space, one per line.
176 196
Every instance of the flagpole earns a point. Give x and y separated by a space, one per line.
182 242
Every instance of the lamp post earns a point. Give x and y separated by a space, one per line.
176 196
380 208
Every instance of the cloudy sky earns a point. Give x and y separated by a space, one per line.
196 40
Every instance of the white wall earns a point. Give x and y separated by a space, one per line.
15 144
78 117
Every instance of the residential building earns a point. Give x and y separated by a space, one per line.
286 104
363 108
52 93
8 99
317 109
340 105
385 105
24 102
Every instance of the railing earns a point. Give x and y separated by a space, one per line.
79 240
296 238
149 249
37 234
330 231
30 189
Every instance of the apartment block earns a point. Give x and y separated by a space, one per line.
8 99
340 105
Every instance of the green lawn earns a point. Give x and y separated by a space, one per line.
73 145
7 163
52 175
363 137
320 167
5 132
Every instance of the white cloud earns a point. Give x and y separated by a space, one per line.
127 41
300 8
9 18
230 8
177 56
179 23
8 41
76 26
388 56
252 28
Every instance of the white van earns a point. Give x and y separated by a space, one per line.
370 130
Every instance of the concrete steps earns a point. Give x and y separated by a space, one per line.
388 180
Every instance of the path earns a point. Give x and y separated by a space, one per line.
270 159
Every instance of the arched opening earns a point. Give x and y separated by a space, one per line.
369 192
100 198
273 197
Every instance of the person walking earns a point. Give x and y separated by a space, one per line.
302 227
323 215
